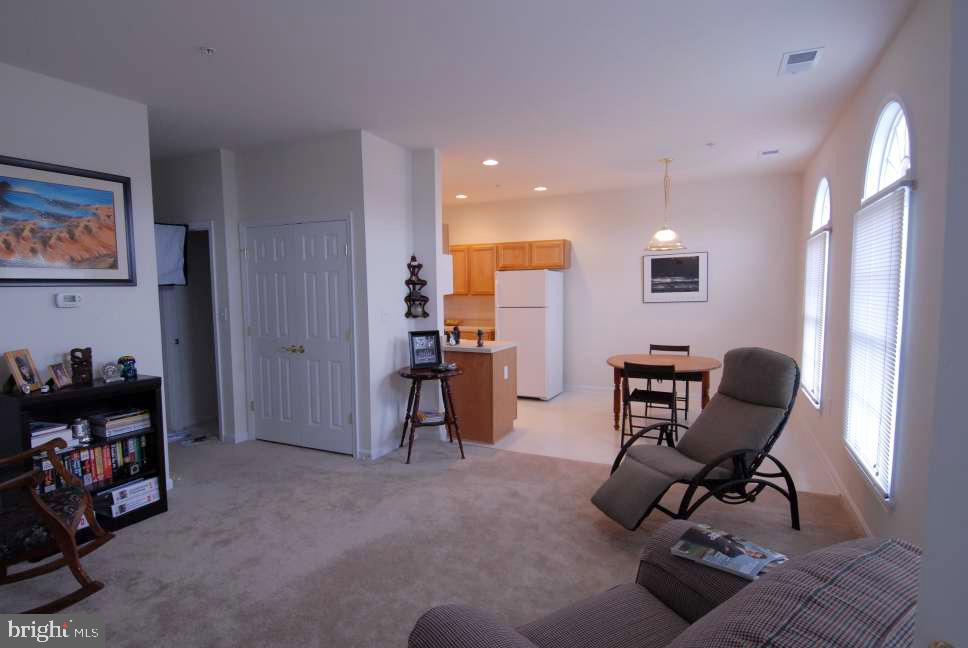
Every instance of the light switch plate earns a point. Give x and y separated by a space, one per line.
505 372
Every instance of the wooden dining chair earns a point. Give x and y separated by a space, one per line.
647 397
682 349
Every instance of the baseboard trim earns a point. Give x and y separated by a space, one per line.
588 388
835 477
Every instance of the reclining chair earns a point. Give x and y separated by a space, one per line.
722 451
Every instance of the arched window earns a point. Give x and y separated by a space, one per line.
877 300
890 155
815 295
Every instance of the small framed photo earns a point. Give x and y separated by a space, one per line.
678 277
23 369
425 349
60 375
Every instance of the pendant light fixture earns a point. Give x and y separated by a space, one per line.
666 238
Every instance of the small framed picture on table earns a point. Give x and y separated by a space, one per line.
425 349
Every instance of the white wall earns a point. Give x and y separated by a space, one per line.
388 227
195 189
48 120
944 579
748 225
914 69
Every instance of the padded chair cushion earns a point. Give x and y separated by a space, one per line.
860 593
630 492
670 461
729 424
22 530
627 616
759 376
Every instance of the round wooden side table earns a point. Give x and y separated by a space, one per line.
415 418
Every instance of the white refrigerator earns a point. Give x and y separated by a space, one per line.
530 312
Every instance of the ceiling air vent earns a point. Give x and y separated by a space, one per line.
796 62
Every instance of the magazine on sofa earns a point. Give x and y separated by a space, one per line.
726 552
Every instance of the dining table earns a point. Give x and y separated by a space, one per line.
689 368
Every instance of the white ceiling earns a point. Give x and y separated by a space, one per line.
573 94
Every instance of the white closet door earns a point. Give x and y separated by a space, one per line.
301 336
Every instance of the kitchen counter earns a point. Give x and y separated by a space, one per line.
490 346
485 395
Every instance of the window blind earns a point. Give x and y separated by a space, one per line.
814 315
874 332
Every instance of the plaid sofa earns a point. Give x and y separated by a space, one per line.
856 594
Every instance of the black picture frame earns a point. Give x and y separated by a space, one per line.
425 349
125 242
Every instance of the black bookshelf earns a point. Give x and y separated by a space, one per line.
64 405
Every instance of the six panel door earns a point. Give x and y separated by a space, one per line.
301 336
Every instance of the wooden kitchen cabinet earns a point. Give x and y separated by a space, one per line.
513 256
482 264
550 255
459 254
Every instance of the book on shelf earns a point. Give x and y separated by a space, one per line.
103 433
100 464
38 428
131 490
43 431
726 552
131 504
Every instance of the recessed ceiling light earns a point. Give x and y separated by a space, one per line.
490 162
206 51
461 196
541 188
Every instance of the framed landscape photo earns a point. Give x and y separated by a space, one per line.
64 226
677 277
22 369
425 349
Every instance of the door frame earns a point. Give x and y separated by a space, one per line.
210 227
247 316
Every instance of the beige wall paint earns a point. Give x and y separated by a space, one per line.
749 225
914 69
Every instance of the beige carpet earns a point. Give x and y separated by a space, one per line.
268 545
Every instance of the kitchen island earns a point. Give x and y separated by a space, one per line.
486 395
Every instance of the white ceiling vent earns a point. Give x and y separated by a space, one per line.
801 61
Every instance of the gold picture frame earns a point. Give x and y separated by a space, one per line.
22 369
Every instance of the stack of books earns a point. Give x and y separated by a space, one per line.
108 426
42 431
129 497
98 465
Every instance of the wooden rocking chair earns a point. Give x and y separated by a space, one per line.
40 525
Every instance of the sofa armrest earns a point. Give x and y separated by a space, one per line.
690 589
455 626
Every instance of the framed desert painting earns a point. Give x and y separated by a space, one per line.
678 277
64 226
